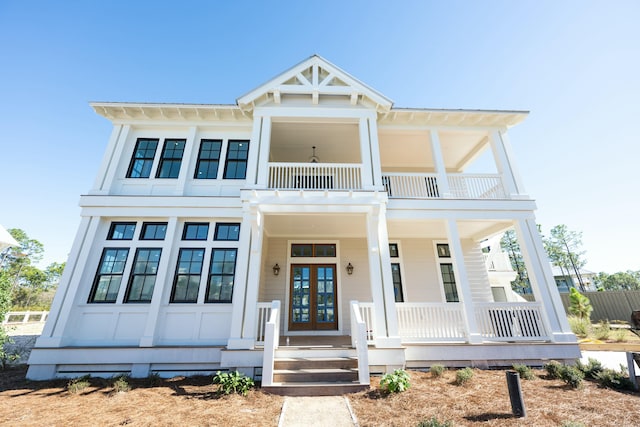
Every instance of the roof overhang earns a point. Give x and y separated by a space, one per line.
441 117
125 111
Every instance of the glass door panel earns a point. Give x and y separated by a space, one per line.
313 298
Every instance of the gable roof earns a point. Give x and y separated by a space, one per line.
315 77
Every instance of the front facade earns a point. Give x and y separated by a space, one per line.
311 208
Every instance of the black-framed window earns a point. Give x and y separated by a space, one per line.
187 279
227 231
449 282
121 231
142 159
171 158
320 250
397 282
236 164
393 250
208 159
109 275
195 231
443 250
143 275
153 231
221 275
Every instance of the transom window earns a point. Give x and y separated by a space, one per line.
171 158
221 275
143 276
121 231
195 231
208 159
227 231
153 231
236 164
321 250
142 159
443 250
109 276
393 250
187 279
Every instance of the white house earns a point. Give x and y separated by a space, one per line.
311 220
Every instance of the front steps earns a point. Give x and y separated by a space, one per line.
315 372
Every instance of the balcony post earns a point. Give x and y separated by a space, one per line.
263 152
503 157
365 154
441 171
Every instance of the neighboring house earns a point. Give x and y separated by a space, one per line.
312 208
501 272
567 279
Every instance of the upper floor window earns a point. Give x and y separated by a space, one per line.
153 231
143 275
227 231
393 250
109 276
195 231
171 158
208 159
142 159
236 164
121 231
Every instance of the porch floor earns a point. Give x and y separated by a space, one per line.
314 341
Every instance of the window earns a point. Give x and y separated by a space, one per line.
305 250
449 282
221 275
109 275
143 275
227 231
187 280
142 158
121 231
443 250
393 250
397 282
313 250
324 250
153 231
171 158
237 155
195 231
208 159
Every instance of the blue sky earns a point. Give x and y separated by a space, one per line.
574 64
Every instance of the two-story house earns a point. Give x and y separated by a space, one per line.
312 215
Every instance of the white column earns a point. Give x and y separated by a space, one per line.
164 282
374 144
365 154
462 281
263 153
65 298
188 161
503 155
393 335
254 147
438 160
542 282
113 155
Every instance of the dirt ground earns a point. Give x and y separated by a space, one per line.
192 401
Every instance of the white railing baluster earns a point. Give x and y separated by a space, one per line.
511 321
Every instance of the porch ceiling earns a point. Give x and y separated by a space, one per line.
436 229
315 226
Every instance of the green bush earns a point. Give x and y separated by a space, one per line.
233 382
554 369
433 422
602 331
614 379
395 382
579 326
437 370
579 305
524 372
463 376
121 384
572 376
620 334
591 369
76 385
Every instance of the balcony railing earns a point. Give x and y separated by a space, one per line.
511 321
426 186
315 176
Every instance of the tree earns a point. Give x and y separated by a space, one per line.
509 244
579 305
563 248
620 281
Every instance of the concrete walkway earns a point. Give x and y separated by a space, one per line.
317 411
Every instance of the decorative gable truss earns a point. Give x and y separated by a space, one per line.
315 77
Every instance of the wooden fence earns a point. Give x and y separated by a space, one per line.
607 305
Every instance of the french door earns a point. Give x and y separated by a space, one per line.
314 299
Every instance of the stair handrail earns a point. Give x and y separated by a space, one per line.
271 340
359 341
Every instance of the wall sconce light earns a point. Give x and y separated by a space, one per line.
349 269
276 269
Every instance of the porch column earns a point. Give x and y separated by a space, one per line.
542 282
503 155
365 154
263 153
245 292
460 271
374 146
438 160
254 160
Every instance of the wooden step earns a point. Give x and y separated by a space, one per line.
293 363
314 389
315 375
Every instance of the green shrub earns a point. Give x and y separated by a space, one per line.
433 422
121 384
524 372
437 370
579 305
554 369
620 334
233 382
463 376
154 379
395 382
579 326
602 331
614 379
76 385
591 369
572 376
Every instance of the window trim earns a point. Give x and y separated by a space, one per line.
225 224
399 261
98 275
187 224
446 259
172 299
145 160
144 229
133 275
200 159
313 250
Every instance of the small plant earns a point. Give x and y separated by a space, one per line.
121 384
579 326
591 369
233 382
572 376
76 385
524 371
437 370
602 331
395 382
554 369
434 422
154 379
463 376
614 379
6 356
579 305
619 334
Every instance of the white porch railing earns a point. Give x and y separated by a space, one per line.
315 176
466 186
359 342
461 186
262 317
511 321
369 319
271 339
431 321
498 261
411 186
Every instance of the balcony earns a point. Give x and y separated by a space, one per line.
315 176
